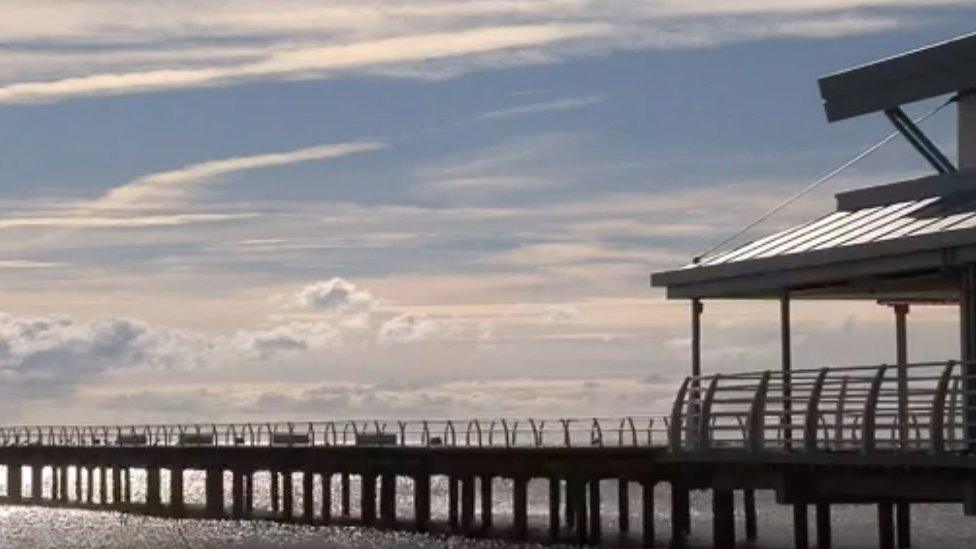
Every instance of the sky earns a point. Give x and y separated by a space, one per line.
419 208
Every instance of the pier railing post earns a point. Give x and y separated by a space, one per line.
868 430
678 418
705 432
757 415
812 419
937 421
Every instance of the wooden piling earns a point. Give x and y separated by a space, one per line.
801 528
127 485
452 501
287 496
15 483
647 513
103 485
248 494
90 484
596 526
723 518
520 508
308 496
367 508
117 486
749 509
824 533
421 502
79 495
37 482
579 507
487 514
388 500
176 507
554 496
63 478
903 517
467 504
886 525
623 505
344 493
570 503
326 503
680 511
275 492
153 497
237 494
214 492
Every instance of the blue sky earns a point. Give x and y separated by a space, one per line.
414 208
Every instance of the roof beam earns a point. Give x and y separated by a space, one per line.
910 131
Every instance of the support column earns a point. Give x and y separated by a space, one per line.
723 520
596 528
467 504
487 516
368 507
215 493
421 502
749 507
153 499
647 512
79 495
554 489
287 496
824 533
37 481
344 493
886 526
787 365
90 484
680 511
388 500
903 517
623 504
308 496
103 485
275 492
801 528
15 483
967 338
237 494
901 345
570 504
53 495
452 503
249 494
176 507
63 477
117 486
127 491
519 508
326 504
967 130
697 308
579 506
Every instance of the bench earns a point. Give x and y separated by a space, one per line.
376 439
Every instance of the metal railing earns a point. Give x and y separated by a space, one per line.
920 408
629 431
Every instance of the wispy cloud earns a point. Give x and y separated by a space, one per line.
120 222
27 264
566 104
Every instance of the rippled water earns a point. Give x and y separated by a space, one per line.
855 527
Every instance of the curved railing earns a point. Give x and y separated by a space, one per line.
629 431
919 407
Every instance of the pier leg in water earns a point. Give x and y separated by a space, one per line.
570 502
519 508
886 526
275 498
647 512
554 489
249 494
344 493
579 506
903 516
623 504
749 507
103 485
53 495
308 496
388 500
37 483
215 493
117 486
368 507
596 531
421 502
153 498
487 517
14 481
90 484
467 504
287 496
79 496
680 512
63 493
128 485
801 528
723 518
237 494
824 534
452 503
176 508
326 504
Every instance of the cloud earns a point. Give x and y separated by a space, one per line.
175 186
562 315
566 104
336 295
114 222
27 264
415 328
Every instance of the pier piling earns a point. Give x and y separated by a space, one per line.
487 514
623 505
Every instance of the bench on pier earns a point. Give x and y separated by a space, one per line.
131 440
375 439
195 439
290 439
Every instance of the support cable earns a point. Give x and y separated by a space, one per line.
830 175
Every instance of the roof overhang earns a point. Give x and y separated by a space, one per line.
932 71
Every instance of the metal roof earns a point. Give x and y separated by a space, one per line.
932 214
927 72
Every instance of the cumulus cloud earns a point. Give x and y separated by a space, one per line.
336 295
415 328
